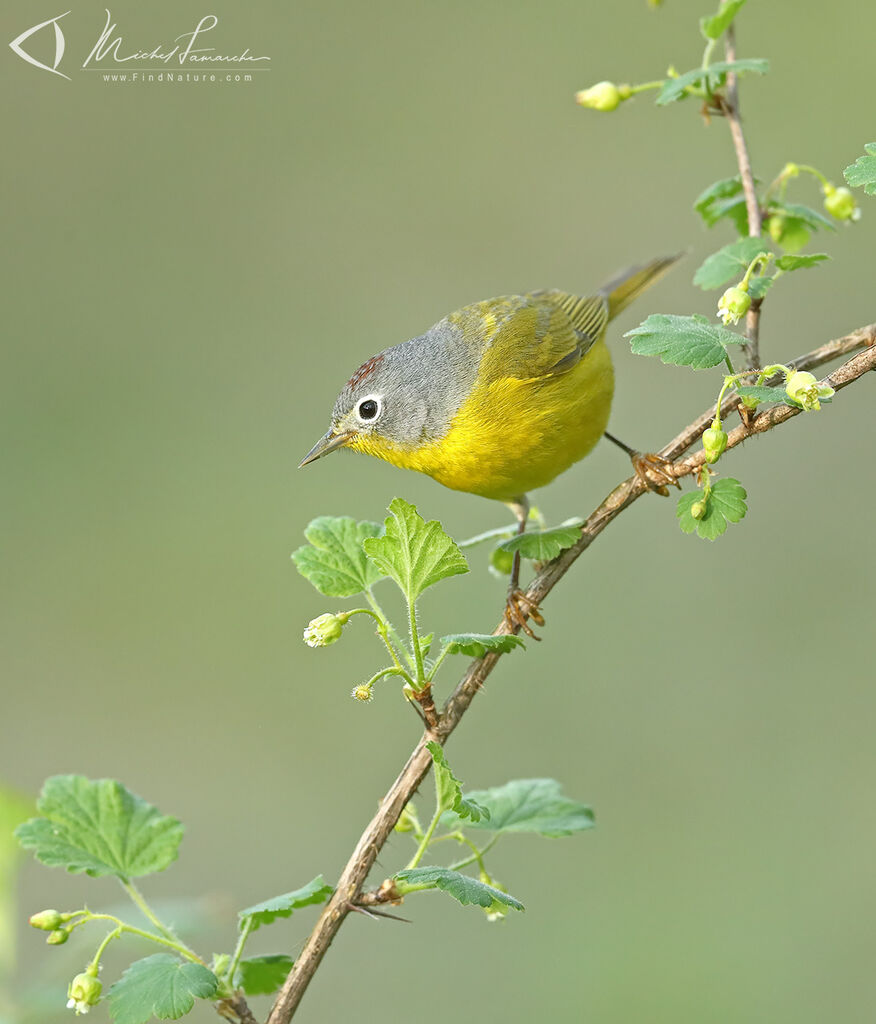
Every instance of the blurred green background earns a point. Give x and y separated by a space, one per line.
192 271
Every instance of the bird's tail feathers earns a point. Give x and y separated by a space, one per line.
625 286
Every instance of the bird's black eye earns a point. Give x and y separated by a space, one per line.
368 409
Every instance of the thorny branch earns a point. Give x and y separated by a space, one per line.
402 790
730 108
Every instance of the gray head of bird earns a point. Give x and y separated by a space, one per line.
401 398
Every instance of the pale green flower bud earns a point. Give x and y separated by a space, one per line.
734 304
805 389
325 629
57 937
699 509
48 920
840 203
84 991
605 96
714 442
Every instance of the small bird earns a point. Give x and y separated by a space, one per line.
496 399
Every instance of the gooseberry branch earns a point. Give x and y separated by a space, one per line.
349 888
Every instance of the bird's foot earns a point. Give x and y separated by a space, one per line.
655 472
518 609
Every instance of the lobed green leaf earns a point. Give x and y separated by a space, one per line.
759 285
682 340
160 986
729 262
715 26
543 545
863 171
449 789
316 891
809 259
263 975
416 554
464 888
334 560
528 805
725 504
99 827
476 645
724 198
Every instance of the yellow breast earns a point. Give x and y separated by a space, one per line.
511 436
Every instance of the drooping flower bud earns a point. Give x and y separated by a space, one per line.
840 203
714 442
84 991
734 304
699 508
325 629
57 937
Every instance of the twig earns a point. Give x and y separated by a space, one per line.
731 109
402 790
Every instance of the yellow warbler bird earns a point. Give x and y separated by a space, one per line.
497 398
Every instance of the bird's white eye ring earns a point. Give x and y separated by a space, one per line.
369 408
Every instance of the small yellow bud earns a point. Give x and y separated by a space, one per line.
805 389
734 304
840 203
698 509
605 96
363 692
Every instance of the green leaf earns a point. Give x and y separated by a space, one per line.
725 504
464 888
334 560
476 645
160 986
416 554
729 262
682 340
809 259
449 789
710 78
764 393
794 234
99 827
717 25
543 545
528 805
721 199
263 975
268 911
863 171
813 219
759 285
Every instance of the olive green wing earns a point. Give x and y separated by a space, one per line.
537 336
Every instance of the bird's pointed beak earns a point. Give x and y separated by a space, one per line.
327 444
